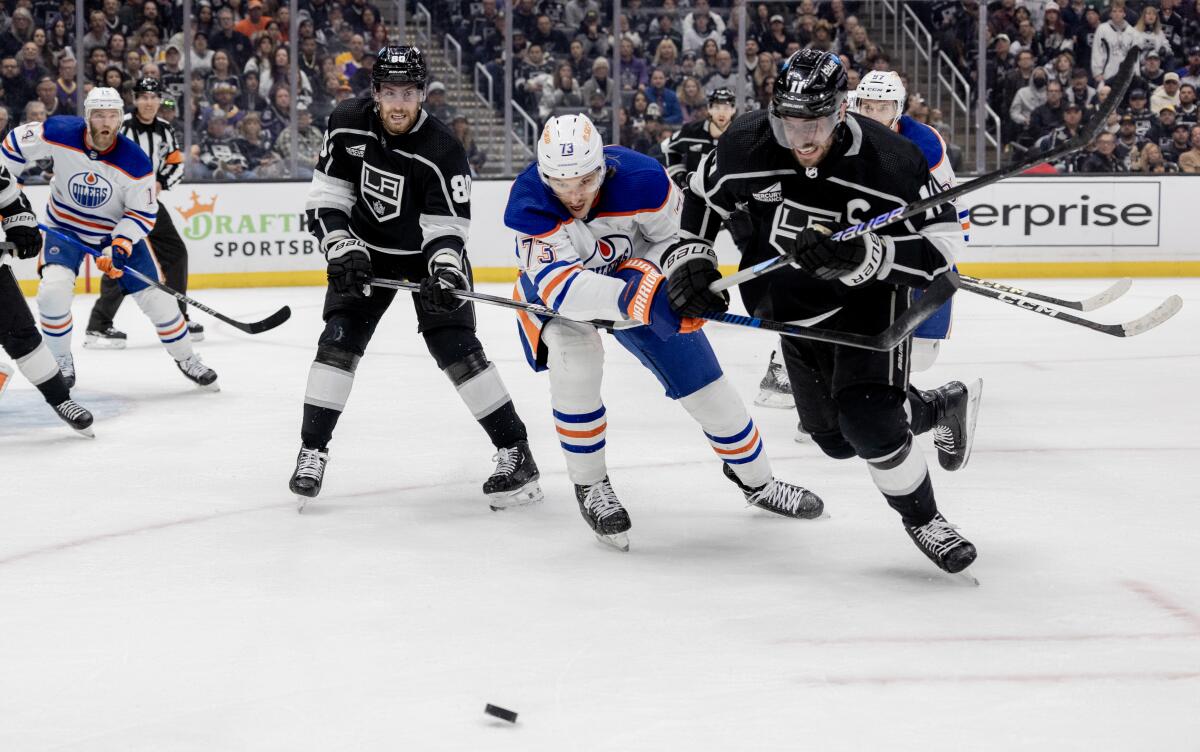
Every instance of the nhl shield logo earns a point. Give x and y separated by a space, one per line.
382 190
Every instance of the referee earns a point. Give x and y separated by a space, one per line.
157 139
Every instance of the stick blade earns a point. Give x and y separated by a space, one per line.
1159 315
1104 298
267 324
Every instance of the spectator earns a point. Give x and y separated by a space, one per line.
1014 81
1028 99
707 59
1179 142
1052 37
666 59
565 95
172 71
46 92
116 48
777 39
692 101
1072 117
224 99
552 41
308 140
658 93
204 16
1167 94
1048 115
633 69
664 30
1152 161
133 64
97 62
17 90
1061 68
1160 132
115 78
233 42
66 84
576 10
222 71
1148 33
701 8
1189 161
348 61
1080 93
698 32
628 32
600 83
97 35
722 76
254 21
279 73
264 51
1102 158
856 47
592 37
21 32
476 158
35 112
1187 111
1027 39
581 67
345 33
250 100
31 63
1128 143
1173 26
1190 73
750 56
1113 40
1150 75
150 49
275 117
435 102
533 76
200 54
221 154
118 19
1140 112
600 115
361 81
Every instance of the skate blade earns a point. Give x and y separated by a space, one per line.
95 343
965 577
301 502
619 541
213 387
800 437
974 397
777 400
85 432
530 493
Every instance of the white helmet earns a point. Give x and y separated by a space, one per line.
570 146
882 86
102 98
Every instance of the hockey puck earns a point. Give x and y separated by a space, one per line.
501 713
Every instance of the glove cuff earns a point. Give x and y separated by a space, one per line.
878 249
342 246
447 258
637 302
685 251
21 219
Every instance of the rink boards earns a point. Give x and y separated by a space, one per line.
252 235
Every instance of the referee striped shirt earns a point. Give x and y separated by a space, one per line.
158 141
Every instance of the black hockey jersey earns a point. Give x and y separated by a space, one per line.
400 195
870 170
687 147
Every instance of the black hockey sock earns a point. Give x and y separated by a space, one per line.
917 507
318 426
923 409
55 390
503 426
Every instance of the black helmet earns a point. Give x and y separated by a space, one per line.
811 84
722 94
399 64
148 84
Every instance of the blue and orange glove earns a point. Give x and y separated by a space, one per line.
645 299
114 257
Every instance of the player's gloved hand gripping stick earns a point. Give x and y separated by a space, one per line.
254 327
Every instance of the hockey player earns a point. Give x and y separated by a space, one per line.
592 222
18 333
101 196
391 196
827 169
156 137
688 146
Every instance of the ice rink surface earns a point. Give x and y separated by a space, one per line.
159 592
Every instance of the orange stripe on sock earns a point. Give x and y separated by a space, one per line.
63 325
743 448
176 330
584 434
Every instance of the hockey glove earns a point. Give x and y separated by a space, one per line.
852 261
114 257
445 275
691 267
645 299
349 269
22 231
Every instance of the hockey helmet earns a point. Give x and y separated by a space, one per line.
399 64
810 89
102 98
570 147
722 95
881 86
148 84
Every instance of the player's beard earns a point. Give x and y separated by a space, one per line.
102 137
398 119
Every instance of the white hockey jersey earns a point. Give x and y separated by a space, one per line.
92 194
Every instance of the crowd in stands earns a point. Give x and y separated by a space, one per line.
1049 65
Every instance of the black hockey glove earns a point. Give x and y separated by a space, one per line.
691 266
436 294
22 231
349 270
852 261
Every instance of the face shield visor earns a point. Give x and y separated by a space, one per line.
799 133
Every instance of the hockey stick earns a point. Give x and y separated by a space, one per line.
1140 325
938 293
254 327
1078 141
1087 304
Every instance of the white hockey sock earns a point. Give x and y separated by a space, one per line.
328 386
163 312
576 362
483 392
38 366
901 472
730 430
55 293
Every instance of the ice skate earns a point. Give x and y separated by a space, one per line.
954 434
780 497
940 541
309 473
6 372
76 417
105 339
196 331
599 505
514 483
801 436
196 371
775 390
66 366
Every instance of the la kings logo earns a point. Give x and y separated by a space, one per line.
790 220
770 195
356 151
382 191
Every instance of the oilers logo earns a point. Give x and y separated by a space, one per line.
89 190
610 251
